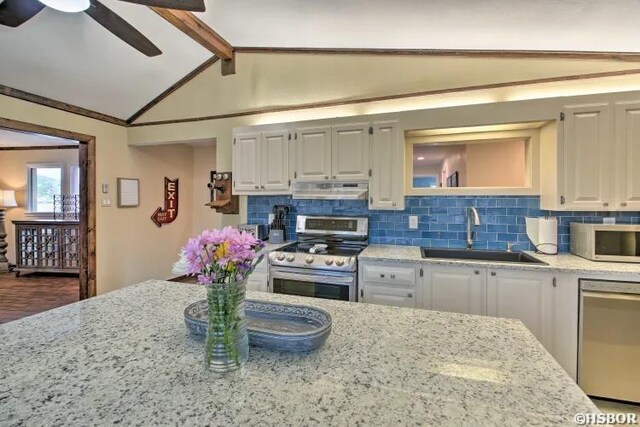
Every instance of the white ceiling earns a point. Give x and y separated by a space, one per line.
71 58
581 25
19 139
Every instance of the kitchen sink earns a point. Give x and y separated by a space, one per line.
480 255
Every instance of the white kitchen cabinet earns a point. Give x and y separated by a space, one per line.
588 144
350 152
386 185
455 289
627 131
387 283
313 154
527 296
246 162
261 162
275 161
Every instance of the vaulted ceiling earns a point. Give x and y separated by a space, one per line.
69 58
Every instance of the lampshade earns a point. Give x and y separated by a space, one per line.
8 199
67 5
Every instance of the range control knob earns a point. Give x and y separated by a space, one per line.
291 258
340 262
280 257
328 261
308 259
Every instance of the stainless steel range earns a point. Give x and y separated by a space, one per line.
324 263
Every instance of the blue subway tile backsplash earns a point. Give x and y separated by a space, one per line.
441 219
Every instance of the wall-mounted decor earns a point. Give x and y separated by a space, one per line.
169 213
222 198
128 192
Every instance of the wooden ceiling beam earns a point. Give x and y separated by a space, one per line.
189 24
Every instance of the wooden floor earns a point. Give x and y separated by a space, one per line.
31 294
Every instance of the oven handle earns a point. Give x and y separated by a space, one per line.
610 295
313 278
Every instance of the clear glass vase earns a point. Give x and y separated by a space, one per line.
227 343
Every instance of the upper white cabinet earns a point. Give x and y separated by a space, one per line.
386 186
313 154
261 162
524 295
350 152
246 162
587 147
592 166
627 129
455 289
275 161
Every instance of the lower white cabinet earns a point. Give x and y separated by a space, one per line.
389 284
527 296
455 289
258 281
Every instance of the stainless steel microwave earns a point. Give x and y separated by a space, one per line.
606 242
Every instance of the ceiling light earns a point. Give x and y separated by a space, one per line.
67 5
420 158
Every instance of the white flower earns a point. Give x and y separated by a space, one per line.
181 267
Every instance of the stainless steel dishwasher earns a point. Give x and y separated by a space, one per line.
609 339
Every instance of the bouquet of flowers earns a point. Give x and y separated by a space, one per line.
222 260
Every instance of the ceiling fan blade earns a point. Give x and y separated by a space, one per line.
121 28
190 5
14 13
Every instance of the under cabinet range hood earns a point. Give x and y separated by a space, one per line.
331 190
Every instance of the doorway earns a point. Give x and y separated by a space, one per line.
72 249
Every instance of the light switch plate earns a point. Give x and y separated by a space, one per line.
413 222
106 202
610 220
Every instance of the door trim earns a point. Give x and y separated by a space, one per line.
87 163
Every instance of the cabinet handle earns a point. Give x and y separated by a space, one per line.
623 204
361 293
493 273
262 186
393 203
555 282
605 204
257 187
326 177
393 276
476 272
562 200
382 276
334 177
410 295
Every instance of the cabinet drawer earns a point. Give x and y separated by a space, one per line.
388 295
381 273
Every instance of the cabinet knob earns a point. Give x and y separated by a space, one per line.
623 204
257 187
334 177
493 273
605 204
410 295
393 203
382 276
393 276
326 177
262 186
476 272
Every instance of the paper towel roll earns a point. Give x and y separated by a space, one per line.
543 233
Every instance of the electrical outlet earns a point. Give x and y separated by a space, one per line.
609 220
106 202
105 188
413 222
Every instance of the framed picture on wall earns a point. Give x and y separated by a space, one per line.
128 192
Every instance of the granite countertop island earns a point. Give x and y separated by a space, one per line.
563 262
126 358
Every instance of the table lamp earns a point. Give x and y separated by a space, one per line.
7 200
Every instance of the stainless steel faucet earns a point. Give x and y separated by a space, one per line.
472 215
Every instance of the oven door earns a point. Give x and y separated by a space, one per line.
313 283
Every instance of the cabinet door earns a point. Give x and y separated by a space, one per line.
386 185
627 118
246 162
350 152
275 161
586 153
313 151
524 295
455 289
388 295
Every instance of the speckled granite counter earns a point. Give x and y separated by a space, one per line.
126 358
563 262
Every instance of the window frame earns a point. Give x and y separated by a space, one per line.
66 176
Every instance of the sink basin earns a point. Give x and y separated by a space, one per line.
480 255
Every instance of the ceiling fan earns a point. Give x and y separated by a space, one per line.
14 13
